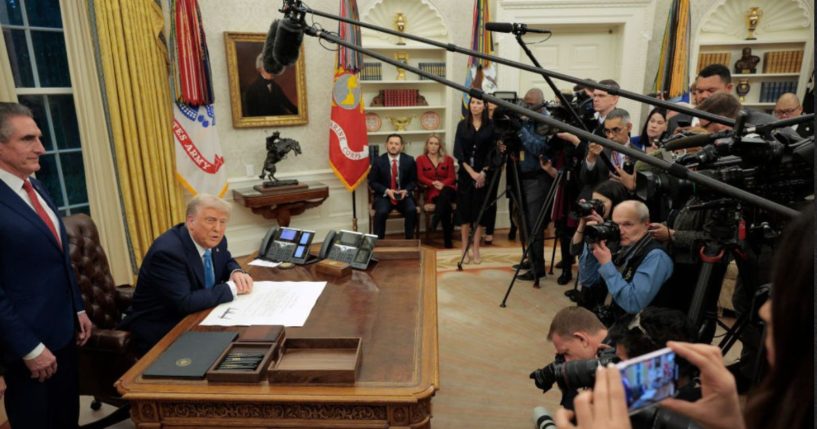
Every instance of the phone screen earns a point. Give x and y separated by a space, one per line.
287 234
649 378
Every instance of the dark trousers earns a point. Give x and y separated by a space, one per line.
536 190
490 211
53 403
442 209
382 208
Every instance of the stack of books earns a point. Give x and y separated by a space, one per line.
433 68
771 91
782 61
371 71
709 58
399 97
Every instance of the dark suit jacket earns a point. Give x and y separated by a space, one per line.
171 286
39 295
380 174
266 98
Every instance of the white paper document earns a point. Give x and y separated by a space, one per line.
263 263
269 303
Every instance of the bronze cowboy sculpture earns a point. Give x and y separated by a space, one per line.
277 149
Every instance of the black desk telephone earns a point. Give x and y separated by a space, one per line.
353 248
286 245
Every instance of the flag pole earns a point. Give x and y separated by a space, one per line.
354 211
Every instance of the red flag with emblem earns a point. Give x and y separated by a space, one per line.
348 149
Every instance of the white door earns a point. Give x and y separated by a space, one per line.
581 50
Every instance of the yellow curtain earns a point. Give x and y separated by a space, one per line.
135 72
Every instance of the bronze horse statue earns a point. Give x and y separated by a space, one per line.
277 149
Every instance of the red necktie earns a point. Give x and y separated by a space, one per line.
39 209
393 185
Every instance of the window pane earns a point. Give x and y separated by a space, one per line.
49 175
10 12
43 13
64 116
52 61
37 105
73 172
19 58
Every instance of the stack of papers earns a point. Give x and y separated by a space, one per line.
269 303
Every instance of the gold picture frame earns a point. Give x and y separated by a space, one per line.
249 90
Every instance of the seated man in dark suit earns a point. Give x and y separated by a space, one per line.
187 269
393 178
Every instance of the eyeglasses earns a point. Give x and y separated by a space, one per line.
781 112
614 130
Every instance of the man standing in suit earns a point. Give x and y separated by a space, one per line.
393 178
187 269
42 318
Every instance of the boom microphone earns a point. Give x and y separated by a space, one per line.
696 140
510 27
268 60
288 41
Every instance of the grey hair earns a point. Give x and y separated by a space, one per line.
640 208
538 93
8 111
618 113
207 201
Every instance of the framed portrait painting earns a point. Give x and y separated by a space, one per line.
258 98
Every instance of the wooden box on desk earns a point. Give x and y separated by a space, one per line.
333 268
270 353
397 249
317 360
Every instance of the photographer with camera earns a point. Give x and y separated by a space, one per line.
594 212
635 274
536 181
577 335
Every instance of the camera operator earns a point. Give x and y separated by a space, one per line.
606 196
617 126
635 274
536 181
576 334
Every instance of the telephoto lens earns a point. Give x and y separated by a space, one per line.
607 231
542 419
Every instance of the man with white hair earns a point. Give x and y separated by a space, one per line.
635 273
187 269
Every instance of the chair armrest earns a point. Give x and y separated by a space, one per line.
109 339
124 297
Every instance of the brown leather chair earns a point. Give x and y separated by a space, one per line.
108 353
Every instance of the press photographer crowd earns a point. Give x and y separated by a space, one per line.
653 248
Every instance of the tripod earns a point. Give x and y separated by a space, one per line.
538 225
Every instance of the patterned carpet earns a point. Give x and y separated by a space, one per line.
487 352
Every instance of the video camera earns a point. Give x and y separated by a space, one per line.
573 374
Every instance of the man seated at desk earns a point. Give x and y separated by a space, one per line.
187 269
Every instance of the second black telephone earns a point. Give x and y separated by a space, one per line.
286 245
351 247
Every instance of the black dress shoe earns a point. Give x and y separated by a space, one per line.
565 278
525 266
528 276
573 295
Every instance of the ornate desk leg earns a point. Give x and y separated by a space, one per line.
411 416
146 415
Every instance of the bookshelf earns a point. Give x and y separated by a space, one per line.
784 45
432 116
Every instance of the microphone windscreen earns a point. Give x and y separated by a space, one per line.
500 27
288 41
270 65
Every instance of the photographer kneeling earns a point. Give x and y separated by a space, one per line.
635 273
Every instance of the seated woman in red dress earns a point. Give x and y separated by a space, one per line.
435 172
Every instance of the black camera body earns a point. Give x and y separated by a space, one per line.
574 374
607 231
586 208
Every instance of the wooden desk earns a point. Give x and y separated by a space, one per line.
392 307
281 205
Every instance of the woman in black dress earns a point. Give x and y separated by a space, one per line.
472 146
